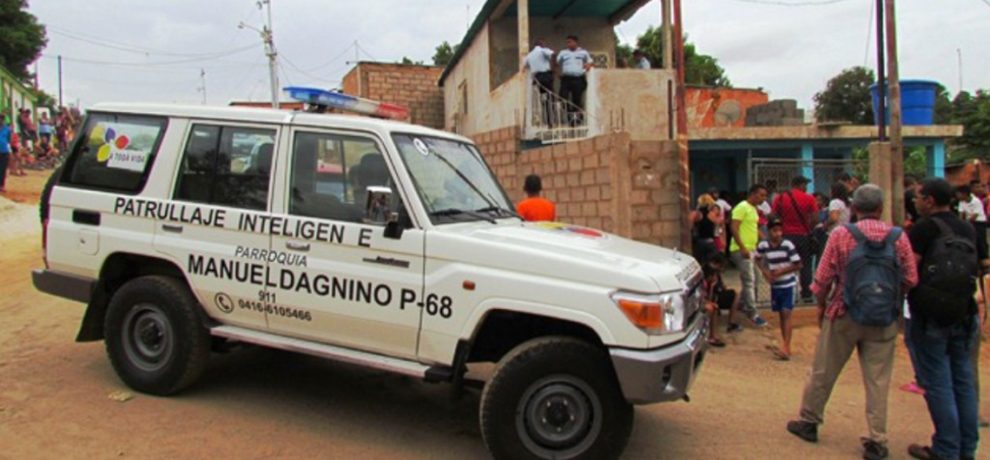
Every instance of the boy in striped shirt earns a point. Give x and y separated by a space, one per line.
779 261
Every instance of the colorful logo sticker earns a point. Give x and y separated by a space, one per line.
111 141
583 231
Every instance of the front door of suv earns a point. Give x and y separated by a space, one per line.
346 284
222 185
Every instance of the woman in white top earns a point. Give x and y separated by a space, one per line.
838 210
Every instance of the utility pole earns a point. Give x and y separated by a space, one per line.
896 141
202 84
881 77
959 55
683 158
60 80
266 36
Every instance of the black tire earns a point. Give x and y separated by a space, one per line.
155 338
555 398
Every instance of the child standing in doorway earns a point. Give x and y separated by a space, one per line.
779 261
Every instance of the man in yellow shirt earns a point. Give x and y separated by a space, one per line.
745 235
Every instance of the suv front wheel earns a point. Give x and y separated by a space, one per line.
154 336
555 398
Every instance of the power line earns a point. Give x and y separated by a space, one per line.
869 35
137 49
146 64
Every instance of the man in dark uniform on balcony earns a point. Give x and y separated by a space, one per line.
574 64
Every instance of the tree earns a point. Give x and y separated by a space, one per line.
973 112
444 53
847 97
943 106
23 38
405 60
699 69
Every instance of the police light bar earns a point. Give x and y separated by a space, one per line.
341 101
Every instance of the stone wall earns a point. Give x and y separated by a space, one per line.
411 86
609 182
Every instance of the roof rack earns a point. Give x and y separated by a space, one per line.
319 100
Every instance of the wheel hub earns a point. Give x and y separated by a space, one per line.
558 417
147 337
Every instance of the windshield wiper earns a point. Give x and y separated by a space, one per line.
500 211
456 212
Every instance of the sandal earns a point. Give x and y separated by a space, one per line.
778 354
716 342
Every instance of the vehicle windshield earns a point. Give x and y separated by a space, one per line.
452 180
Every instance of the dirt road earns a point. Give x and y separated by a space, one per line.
60 399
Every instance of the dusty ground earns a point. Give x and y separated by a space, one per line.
59 399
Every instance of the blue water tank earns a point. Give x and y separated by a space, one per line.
917 102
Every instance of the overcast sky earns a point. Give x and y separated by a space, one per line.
116 50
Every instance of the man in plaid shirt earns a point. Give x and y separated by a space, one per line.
840 335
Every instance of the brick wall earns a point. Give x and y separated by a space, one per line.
411 86
607 182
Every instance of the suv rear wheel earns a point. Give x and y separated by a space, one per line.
555 398
154 337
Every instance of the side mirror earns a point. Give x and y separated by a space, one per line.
394 228
376 208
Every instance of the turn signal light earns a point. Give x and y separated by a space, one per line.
645 315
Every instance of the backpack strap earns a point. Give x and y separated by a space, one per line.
856 233
943 227
892 236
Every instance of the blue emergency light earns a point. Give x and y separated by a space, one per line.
341 101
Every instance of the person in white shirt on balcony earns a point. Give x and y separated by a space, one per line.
640 61
574 65
539 61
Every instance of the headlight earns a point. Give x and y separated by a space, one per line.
653 313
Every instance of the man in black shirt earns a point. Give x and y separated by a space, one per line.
942 345
910 190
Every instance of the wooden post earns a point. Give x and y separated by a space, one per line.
683 158
880 175
522 7
668 50
896 139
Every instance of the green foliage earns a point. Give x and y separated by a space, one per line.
943 106
915 162
22 40
847 97
407 61
623 53
973 112
444 53
699 69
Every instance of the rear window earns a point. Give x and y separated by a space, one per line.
115 152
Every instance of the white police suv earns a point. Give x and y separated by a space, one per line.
367 241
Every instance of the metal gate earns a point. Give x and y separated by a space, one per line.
776 175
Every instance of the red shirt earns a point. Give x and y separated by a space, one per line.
831 275
795 223
536 209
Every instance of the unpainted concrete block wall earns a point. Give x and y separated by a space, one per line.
411 86
608 182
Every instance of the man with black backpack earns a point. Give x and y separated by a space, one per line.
860 283
944 323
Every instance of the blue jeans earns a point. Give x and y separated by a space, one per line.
945 370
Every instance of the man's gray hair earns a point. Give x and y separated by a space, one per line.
868 199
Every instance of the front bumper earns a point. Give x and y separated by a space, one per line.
662 374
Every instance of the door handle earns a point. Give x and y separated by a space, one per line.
172 228
80 216
387 261
297 246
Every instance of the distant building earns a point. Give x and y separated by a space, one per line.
15 95
412 86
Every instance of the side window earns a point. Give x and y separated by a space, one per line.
227 165
331 174
115 152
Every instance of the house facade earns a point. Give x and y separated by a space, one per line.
15 96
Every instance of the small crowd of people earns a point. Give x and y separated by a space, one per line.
868 278
32 145
572 65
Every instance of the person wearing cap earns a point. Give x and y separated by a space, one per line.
779 261
535 208
640 61
797 211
